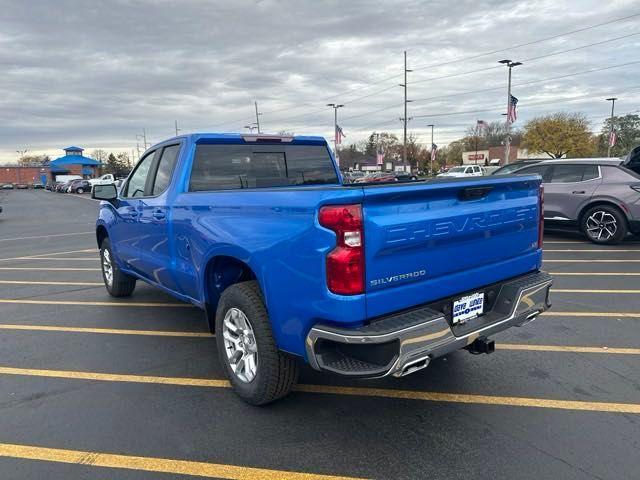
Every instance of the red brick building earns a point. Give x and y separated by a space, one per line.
72 163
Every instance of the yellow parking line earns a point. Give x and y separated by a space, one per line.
51 254
46 236
95 304
567 348
53 269
554 313
591 260
583 290
111 331
607 274
335 390
593 250
28 282
59 259
154 464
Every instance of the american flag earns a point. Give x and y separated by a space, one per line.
380 157
482 125
612 138
339 135
512 114
434 150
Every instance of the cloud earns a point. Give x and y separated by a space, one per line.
97 73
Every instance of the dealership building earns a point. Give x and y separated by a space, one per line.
73 162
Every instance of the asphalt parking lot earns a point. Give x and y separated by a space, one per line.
93 387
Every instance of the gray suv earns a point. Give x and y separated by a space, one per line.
599 197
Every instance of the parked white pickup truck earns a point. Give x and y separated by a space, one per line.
105 179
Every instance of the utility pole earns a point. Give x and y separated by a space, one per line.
177 129
431 150
335 128
257 117
250 128
144 136
507 148
613 104
405 119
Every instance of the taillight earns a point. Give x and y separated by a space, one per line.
541 220
345 263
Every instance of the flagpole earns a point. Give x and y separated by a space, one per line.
507 143
613 103
431 156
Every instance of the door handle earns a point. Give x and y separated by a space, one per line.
158 215
579 192
132 211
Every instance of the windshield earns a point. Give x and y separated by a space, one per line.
457 169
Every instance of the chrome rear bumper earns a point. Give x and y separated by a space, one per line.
403 343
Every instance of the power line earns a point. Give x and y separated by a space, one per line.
533 42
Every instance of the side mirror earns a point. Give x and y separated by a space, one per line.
107 192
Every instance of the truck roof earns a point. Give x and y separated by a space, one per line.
237 137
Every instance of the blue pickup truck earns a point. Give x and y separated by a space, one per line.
289 264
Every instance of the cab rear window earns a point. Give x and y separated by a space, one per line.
234 167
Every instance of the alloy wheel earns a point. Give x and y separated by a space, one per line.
601 225
240 345
107 267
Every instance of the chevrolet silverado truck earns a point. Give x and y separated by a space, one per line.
290 265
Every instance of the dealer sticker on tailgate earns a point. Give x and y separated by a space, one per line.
468 307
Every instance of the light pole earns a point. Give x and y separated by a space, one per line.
405 119
431 154
257 117
335 107
613 104
507 149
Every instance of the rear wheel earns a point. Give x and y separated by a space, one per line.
118 283
257 370
80 190
603 224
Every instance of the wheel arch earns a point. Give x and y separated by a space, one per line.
601 202
101 234
220 272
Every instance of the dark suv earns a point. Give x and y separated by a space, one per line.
599 197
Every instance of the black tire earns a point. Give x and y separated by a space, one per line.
80 190
604 225
121 285
277 372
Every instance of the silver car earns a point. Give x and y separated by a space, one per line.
599 197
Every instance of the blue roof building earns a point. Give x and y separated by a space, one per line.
74 163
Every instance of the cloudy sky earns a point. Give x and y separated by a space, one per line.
96 73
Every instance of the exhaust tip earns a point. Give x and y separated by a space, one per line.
414 366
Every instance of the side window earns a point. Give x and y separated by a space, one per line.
542 170
137 181
165 169
567 173
469 170
590 172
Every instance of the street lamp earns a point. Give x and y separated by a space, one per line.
613 103
335 107
507 150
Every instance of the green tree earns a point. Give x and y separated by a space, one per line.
627 135
559 134
453 153
118 165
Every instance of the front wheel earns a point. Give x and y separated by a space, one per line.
603 224
118 283
259 373
80 190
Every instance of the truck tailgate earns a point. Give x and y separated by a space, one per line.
427 241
